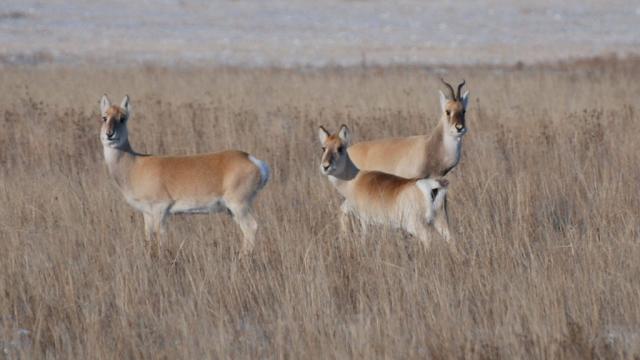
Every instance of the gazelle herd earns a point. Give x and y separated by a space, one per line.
396 181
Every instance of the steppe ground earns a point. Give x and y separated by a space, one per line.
544 209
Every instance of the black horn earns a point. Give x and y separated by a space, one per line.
460 88
453 94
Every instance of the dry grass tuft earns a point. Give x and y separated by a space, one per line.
544 207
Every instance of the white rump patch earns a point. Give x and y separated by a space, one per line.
426 186
265 171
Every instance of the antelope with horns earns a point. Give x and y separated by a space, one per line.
159 186
377 197
420 156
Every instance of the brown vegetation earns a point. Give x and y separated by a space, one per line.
544 208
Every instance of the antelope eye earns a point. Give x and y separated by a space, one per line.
340 149
448 112
323 149
104 118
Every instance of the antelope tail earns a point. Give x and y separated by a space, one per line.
434 191
265 171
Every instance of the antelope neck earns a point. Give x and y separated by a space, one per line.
119 161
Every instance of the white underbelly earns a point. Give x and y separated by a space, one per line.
142 206
180 206
198 207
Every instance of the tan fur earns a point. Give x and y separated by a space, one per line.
162 185
377 197
419 156
229 173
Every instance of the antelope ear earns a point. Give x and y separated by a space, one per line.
323 134
345 135
465 99
125 105
443 100
105 104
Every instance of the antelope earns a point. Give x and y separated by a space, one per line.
159 186
378 197
421 156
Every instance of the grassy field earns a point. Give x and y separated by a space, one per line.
544 209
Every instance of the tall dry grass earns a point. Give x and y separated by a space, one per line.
544 208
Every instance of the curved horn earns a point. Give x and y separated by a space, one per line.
460 88
453 94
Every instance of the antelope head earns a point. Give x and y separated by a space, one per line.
334 150
114 122
454 107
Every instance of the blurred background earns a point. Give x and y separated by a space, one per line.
543 205
291 33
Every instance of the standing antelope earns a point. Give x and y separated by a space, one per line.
420 156
162 185
377 197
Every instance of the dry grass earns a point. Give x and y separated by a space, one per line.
544 206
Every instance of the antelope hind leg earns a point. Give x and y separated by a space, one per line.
248 225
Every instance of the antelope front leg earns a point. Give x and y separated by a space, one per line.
154 229
363 227
151 235
149 232
345 221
